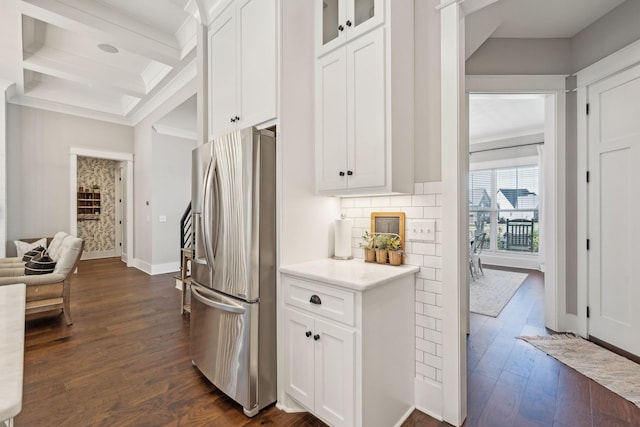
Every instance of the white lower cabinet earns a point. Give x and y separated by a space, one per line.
349 354
320 374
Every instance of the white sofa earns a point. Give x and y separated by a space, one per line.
51 291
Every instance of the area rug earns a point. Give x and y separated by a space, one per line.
617 373
489 294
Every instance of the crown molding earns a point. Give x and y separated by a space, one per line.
174 131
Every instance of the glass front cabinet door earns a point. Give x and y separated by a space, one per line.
338 21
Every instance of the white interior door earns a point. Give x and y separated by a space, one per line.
614 205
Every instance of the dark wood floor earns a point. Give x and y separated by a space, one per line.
510 383
125 361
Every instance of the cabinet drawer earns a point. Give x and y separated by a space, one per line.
334 303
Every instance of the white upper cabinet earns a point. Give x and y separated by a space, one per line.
364 105
242 66
350 108
342 20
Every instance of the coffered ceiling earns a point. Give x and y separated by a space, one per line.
106 59
116 60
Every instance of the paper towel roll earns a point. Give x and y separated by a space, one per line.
342 238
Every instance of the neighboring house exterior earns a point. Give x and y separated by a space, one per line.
517 198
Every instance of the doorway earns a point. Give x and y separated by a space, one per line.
552 252
125 160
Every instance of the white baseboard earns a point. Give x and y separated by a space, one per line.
428 396
169 267
99 254
404 417
153 269
142 265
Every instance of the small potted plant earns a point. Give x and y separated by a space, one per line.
381 241
96 188
394 248
368 246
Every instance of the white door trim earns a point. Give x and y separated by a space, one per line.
616 62
553 85
454 213
74 152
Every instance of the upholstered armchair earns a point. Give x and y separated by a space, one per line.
50 291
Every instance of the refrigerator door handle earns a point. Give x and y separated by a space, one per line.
206 209
215 304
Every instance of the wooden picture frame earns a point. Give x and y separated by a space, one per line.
388 222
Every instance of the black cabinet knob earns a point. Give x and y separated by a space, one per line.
340 28
316 337
348 23
237 118
349 173
341 173
233 120
308 334
315 299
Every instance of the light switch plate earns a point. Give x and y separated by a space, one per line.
424 231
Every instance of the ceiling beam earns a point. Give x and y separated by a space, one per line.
127 34
77 69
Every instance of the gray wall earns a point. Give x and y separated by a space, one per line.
562 56
171 193
38 143
143 204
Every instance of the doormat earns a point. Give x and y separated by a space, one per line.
615 372
490 293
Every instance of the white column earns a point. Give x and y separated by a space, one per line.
454 159
4 86
203 84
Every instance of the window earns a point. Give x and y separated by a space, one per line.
504 204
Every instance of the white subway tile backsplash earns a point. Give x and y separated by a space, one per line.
352 212
426 346
426 371
362 202
425 322
400 201
347 202
415 212
432 360
433 212
382 201
432 261
423 200
432 335
424 248
425 203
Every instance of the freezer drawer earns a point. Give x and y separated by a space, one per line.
223 345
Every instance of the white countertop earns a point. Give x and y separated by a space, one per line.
12 302
352 274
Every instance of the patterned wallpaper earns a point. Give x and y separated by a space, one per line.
99 236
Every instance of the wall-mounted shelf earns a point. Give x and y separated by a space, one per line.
89 205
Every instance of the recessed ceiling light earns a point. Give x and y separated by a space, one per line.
109 48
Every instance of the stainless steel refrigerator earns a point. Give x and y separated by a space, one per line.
233 292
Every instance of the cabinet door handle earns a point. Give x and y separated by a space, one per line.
315 299
341 173
348 23
316 337
349 173
308 334
237 118
233 120
340 28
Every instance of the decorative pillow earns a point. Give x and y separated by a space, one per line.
24 247
42 264
33 253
